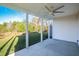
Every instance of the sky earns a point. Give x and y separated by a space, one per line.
7 15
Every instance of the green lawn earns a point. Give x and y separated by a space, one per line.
16 43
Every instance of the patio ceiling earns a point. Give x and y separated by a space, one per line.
39 9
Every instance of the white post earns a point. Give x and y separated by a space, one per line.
41 30
52 29
48 29
27 39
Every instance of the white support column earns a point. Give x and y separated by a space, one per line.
52 29
41 29
27 38
48 29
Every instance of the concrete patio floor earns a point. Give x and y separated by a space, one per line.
50 47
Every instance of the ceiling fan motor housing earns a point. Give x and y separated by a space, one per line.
50 13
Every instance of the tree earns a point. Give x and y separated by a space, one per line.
21 27
3 27
36 23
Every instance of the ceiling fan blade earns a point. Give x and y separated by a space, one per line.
47 8
58 8
58 11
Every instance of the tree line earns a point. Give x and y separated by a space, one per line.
33 26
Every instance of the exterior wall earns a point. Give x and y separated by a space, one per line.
65 28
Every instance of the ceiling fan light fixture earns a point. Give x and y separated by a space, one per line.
50 13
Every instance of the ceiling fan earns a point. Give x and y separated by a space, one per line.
53 11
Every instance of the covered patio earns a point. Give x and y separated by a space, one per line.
50 47
64 29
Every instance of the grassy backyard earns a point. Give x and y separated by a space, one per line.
13 42
12 30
